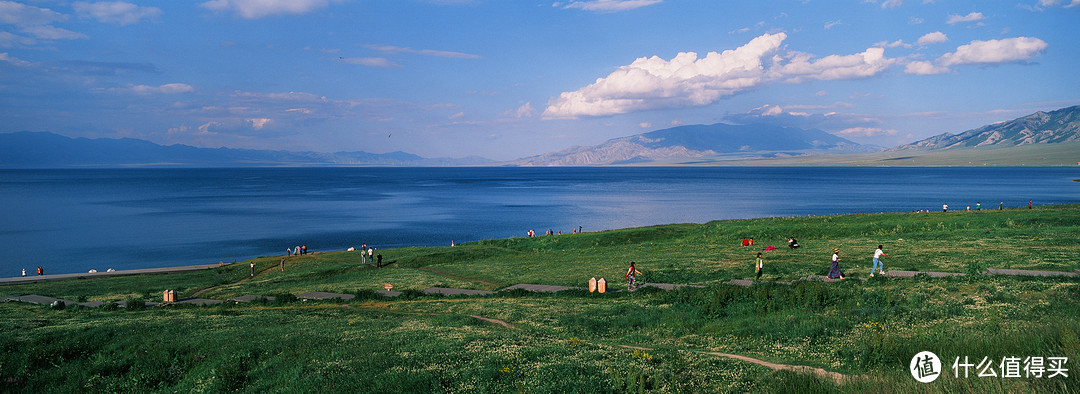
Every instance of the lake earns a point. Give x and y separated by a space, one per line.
72 221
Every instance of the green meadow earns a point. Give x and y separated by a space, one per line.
575 341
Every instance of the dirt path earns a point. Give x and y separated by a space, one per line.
434 271
835 376
496 321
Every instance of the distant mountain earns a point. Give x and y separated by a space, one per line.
48 150
1058 126
698 143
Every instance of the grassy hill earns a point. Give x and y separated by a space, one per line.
649 340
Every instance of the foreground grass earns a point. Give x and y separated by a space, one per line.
573 341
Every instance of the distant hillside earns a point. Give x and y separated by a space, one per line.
48 150
698 143
1058 126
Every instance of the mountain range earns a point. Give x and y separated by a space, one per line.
692 144
49 150
1058 126
701 143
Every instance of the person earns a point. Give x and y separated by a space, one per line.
379 257
24 272
253 269
631 274
303 249
751 242
834 268
371 254
288 251
792 243
363 255
877 261
944 207
40 271
1001 205
296 250
282 264
1029 204
745 242
978 206
760 264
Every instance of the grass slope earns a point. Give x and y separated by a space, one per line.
573 341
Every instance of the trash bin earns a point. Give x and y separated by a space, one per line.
592 285
601 286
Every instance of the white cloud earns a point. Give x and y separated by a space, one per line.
972 17
831 24
644 125
169 88
686 80
994 51
801 67
915 21
117 12
932 38
8 40
259 123
610 5
865 132
650 83
428 52
892 4
894 44
924 68
458 115
46 32
371 62
13 13
16 61
525 110
255 9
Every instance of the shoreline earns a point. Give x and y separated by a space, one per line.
42 278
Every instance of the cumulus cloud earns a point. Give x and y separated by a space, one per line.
380 62
609 5
687 80
802 67
525 110
259 123
932 38
255 9
924 68
971 17
995 51
117 12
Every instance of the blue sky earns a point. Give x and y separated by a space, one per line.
508 79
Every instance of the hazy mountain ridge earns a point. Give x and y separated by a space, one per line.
695 143
1058 126
46 150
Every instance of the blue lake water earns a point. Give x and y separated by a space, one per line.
75 220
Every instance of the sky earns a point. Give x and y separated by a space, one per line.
509 79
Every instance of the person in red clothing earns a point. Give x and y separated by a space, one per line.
631 280
745 242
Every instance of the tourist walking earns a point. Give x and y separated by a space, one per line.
282 264
944 207
371 254
252 269
877 261
631 277
24 272
792 243
834 267
760 264
379 259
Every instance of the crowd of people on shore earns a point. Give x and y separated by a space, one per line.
532 233
835 272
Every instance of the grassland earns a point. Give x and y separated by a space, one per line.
1034 155
574 341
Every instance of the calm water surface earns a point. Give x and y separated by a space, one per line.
75 220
